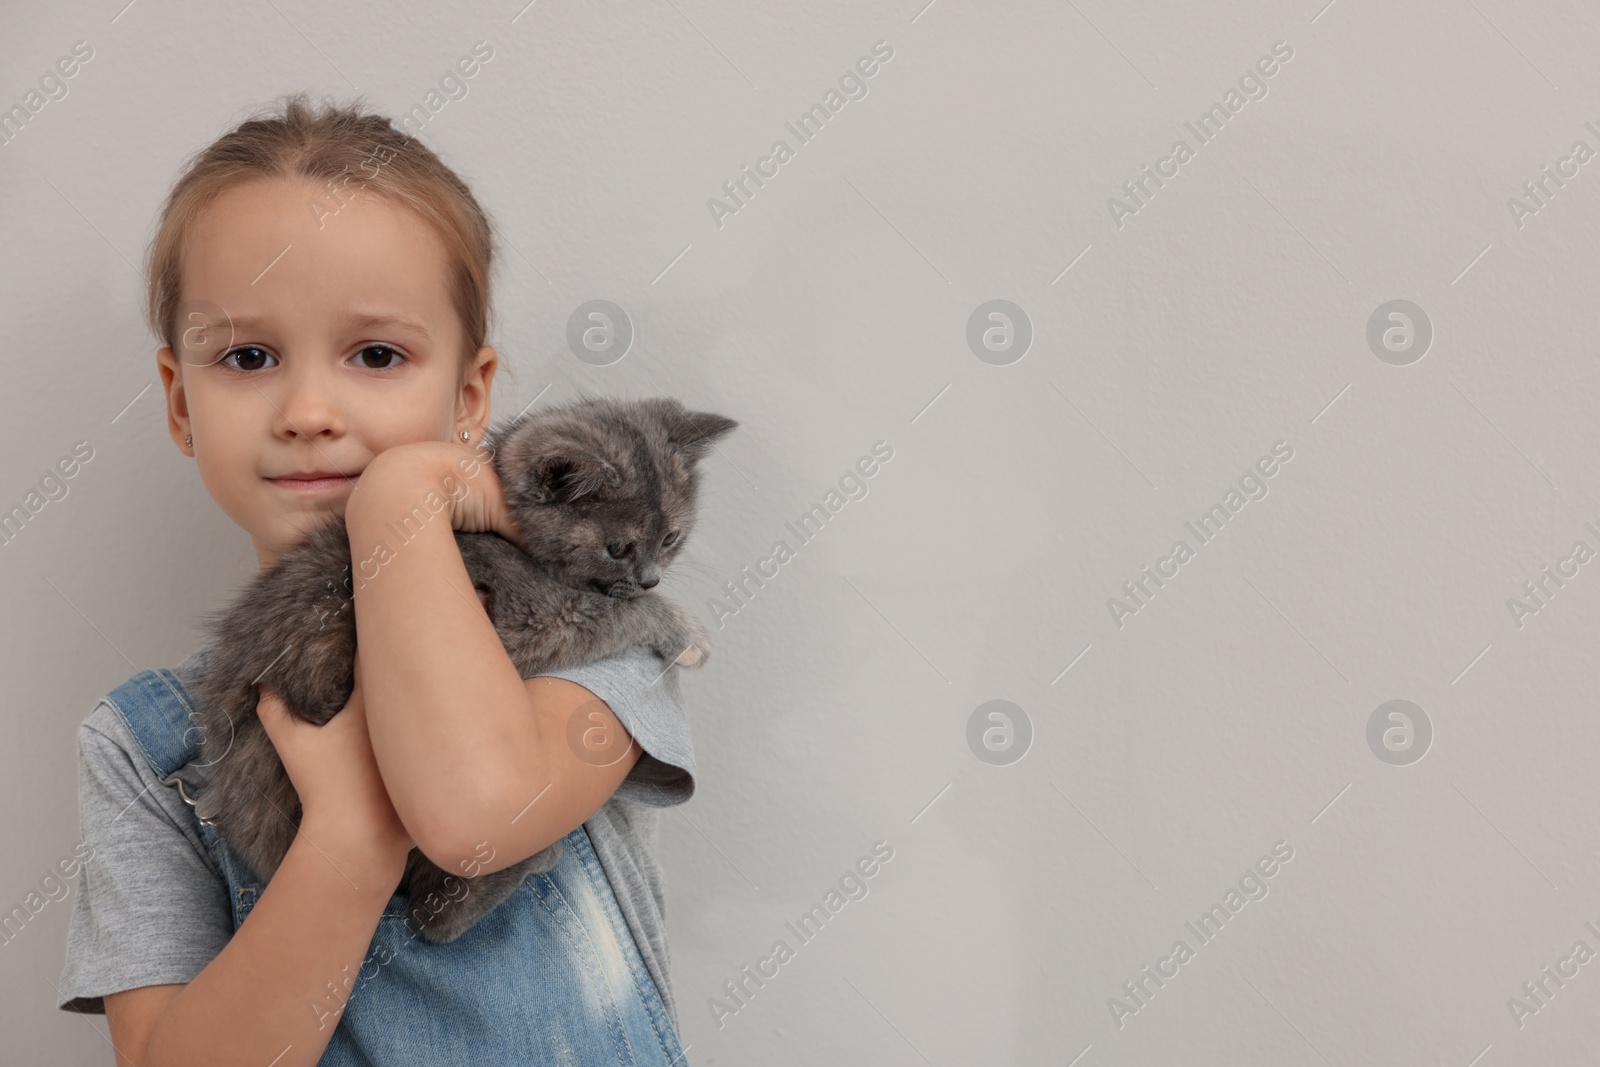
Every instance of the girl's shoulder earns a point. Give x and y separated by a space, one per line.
131 748
150 715
151 907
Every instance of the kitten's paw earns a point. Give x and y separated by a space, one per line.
695 648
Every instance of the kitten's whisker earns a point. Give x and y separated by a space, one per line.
709 575
693 563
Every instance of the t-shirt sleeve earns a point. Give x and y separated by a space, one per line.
644 694
150 908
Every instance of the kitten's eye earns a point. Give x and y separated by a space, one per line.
616 549
670 539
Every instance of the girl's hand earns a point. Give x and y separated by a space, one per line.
462 474
342 796
483 506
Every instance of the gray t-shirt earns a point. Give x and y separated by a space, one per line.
152 907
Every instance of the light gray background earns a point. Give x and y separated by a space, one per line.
830 313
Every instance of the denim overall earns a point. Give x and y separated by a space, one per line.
550 976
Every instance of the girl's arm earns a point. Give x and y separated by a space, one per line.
276 991
477 760
278 988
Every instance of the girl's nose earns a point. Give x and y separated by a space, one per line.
307 405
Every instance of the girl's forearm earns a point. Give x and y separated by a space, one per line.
448 714
276 991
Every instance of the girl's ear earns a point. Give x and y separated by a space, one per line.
177 401
476 385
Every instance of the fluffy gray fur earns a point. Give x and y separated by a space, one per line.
580 480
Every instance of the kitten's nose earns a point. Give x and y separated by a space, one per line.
649 583
649 575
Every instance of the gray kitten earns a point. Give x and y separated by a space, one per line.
604 494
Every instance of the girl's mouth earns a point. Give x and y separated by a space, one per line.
313 485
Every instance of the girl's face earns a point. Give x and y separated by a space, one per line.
326 338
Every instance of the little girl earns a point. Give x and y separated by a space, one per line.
321 283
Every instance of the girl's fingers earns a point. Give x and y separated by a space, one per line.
483 507
273 713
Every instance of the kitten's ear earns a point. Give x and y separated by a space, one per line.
692 433
564 475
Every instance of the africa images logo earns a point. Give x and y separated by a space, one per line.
852 86
1252 886
1252 85
1252 486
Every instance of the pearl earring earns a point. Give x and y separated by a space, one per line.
188 440
465 436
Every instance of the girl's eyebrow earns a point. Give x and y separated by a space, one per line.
353 320
362 321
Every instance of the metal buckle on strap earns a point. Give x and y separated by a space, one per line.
180 782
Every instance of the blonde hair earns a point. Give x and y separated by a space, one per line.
293 140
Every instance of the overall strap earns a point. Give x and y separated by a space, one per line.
159 714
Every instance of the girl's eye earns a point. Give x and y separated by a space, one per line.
385 353
378 357
248 352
